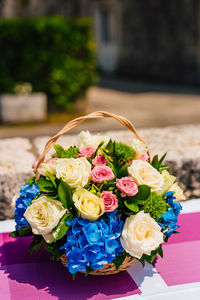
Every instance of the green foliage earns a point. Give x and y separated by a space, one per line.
143 193
24 231
54 248
36 244
119 260
150 258
65 195
155 206
157 164
123 171
132 206
71 152
46 186
54 54
31 181
123 152
60 230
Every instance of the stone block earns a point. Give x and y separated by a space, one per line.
23 108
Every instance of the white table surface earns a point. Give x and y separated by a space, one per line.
152 287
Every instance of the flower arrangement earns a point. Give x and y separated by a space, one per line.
99 203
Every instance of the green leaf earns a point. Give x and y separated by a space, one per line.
31 180
162 158
36 243
119 260
45 185
143 193
65 194
88 270
110 147
59 150
132 206
160 251
24 231
99 146
157 164
123 171
60 230
52 178
71 152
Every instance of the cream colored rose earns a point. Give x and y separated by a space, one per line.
89 206
140 235
44 168
43 215
138 146
143 173
168 182
178 192
74 171
86 139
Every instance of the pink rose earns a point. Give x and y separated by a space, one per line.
130 162
102 173
52 161
86 151
34 165
99 160
127 186
110 201
143 156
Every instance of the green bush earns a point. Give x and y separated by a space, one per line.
54 54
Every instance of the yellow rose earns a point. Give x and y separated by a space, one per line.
74 171
89 206
168 181
43 215
140 235
86 139
143 173
178 192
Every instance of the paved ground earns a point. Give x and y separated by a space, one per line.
146 105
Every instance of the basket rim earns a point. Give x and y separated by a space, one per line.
108 269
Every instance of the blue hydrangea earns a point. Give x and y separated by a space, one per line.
168 221
93 244
26 194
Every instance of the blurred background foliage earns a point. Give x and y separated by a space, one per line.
54 54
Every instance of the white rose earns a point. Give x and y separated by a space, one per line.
89 206
140 235
49 166
138 146
86 139
178 192
143 173
43 215
74 171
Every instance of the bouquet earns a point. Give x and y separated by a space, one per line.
100 205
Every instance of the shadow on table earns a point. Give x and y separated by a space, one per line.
37 277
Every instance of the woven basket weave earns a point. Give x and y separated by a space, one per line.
108 269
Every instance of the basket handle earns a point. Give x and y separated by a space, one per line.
73 123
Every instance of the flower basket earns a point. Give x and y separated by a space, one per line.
100 205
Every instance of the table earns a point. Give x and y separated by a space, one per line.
177 276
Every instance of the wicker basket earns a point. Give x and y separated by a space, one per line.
108 269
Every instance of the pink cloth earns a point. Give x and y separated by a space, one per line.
181 263
23 276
